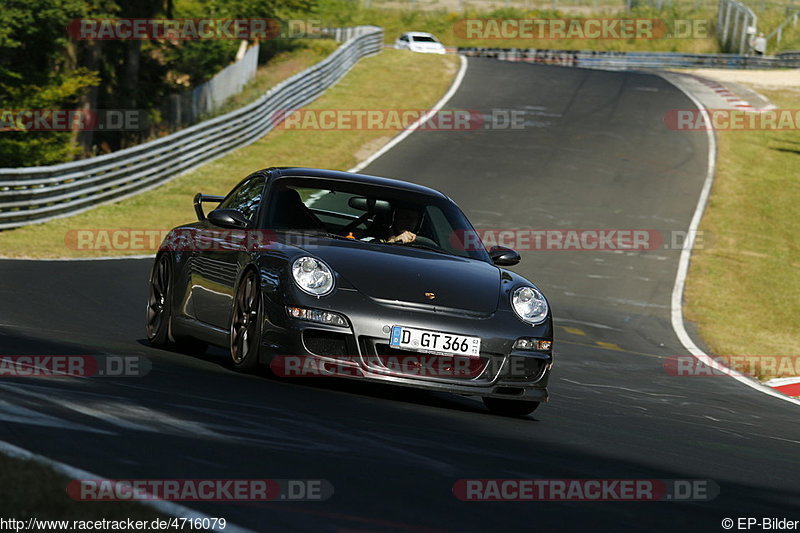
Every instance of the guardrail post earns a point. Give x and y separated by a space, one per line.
743 35
726 27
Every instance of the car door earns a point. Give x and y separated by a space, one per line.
221 253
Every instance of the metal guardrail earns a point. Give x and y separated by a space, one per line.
633 60
736 25
37 194
184 109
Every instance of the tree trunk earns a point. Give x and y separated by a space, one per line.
87 54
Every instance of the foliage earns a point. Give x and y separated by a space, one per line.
41 68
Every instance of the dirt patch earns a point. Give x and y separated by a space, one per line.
765 79
371 147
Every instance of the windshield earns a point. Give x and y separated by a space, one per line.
371 214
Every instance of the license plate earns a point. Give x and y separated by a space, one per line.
435 342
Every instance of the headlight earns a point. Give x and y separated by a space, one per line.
529 304
312 276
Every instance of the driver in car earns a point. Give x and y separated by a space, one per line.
400 230
405 221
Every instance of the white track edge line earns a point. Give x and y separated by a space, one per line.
676 311
166 507
408 131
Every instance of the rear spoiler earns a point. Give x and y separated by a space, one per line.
199 198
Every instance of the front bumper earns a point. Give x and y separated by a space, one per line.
361 350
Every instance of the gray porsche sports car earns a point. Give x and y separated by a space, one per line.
319 272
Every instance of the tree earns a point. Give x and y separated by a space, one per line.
36 73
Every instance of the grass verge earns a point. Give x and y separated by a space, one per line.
743 288
32 490
374 83
450 27
280 67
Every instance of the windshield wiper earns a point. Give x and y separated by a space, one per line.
331 235
336 236
316 233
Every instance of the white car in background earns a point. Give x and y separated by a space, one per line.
418 41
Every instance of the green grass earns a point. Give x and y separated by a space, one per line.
32 490
443 24
372 84
743 290
281 67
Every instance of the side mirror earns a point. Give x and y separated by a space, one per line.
228 218
502 256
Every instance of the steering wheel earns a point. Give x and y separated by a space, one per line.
425 241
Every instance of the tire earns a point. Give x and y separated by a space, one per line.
159 308
245 332
159 312
501 406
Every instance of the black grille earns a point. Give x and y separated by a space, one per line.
321 342
523 369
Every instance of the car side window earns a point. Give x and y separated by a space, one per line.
246 197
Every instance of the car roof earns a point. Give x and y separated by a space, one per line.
349 177
419 34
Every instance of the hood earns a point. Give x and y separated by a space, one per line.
401 274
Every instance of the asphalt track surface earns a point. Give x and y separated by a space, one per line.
594 154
